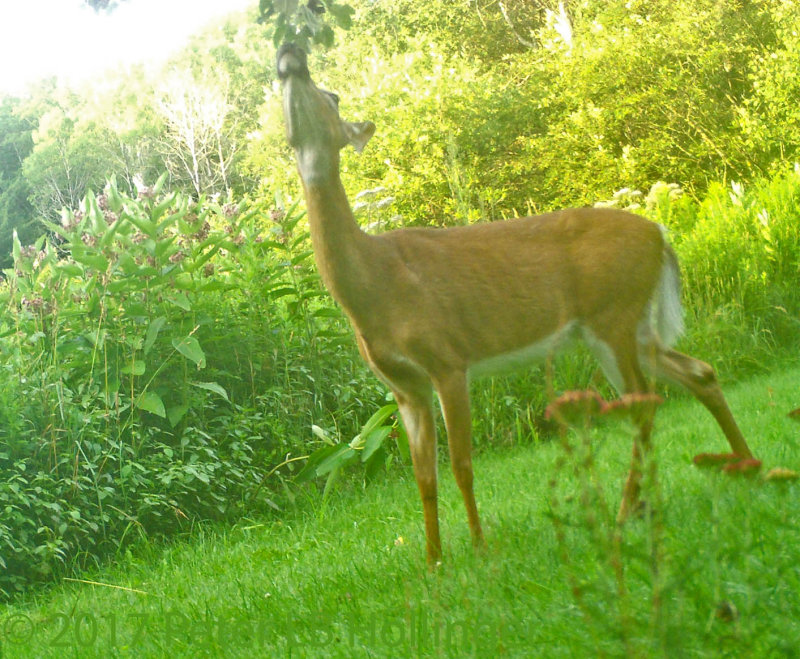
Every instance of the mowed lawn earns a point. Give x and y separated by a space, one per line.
711 568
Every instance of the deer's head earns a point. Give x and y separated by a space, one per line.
313 125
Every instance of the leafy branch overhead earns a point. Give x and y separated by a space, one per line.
103 5
305 23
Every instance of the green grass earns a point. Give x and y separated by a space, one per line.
711 572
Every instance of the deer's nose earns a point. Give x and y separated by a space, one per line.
292 61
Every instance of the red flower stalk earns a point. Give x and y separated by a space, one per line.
574 408
715 459
747 467
635 406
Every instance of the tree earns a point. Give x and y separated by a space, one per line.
304 23
198 143
68 159
16 211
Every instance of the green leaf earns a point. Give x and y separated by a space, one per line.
160 183
342 14
109 232
277 293
265 7
151 402
213 387
142 223
340 457
190 348
92 259
163 245
184 281
137 368
16 248
303 256
152 332
377 419
327 313
374 441
309 471
402 443
162 208
286 7
180 300
70 269
175 414
115 201
325 36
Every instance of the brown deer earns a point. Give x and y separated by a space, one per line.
432 307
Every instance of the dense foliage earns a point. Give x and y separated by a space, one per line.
152 375
166 348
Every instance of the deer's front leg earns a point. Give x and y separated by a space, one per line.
453 393
416 410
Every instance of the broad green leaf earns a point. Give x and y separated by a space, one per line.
115 201
288 7
213 387
163 245
342 456
180 300
374 441
309 471
160 183
333 476
325 36
184 281
342 14
92 259
129 284
377 419
152 332
327 313
303 256
213 286
402 443
142 223
57 228
109 232
190 348
151 402
161 208
16 248
176 413
137 368
70 269
277 293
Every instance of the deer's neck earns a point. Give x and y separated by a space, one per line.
340 247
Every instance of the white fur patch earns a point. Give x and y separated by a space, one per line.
517 359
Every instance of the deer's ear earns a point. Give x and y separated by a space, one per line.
358 134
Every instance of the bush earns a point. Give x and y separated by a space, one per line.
159 356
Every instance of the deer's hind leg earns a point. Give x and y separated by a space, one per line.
700 380
618 354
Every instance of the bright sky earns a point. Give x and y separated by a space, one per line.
66 38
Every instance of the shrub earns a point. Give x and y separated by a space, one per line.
159 356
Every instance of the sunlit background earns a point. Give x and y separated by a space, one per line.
68 39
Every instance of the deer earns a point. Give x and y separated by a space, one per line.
433 307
